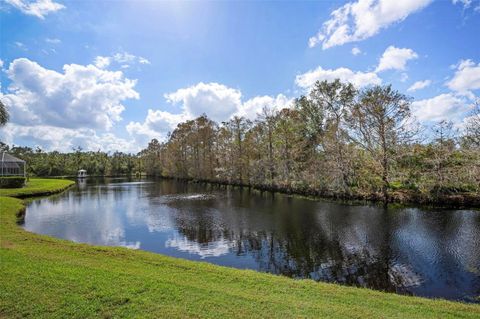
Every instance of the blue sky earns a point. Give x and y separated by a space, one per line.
114 74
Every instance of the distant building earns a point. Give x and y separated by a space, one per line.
12 166
82 173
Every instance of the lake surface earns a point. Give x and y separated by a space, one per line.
433 253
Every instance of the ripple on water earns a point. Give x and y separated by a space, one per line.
185 197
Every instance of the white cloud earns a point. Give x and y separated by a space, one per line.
356 51
161 121
124 59
466 3
48 52
251 108
359 79
59 111
392 58
395 58
37 8
156 125
1 63
441 107
419 85
53 40
466 78
362 19
102 61
216 100
64 139
20 45
80 97
142 134
142 60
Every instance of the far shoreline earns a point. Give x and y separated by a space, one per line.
397 197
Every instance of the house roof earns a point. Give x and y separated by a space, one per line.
7 158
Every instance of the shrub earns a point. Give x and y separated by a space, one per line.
12 181
450 190
407 185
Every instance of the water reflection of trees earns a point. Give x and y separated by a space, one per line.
354 245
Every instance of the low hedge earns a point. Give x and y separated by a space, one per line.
12 181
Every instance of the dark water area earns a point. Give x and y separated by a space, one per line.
417 251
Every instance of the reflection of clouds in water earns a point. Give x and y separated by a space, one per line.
363 270
212 249
156 218
153 212
132 245
134 211
361 234
416 237
125 185
403 276
105 226
158 224
465 242
455 246
355 234
115 237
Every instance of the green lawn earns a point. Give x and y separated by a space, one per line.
37 187
43 277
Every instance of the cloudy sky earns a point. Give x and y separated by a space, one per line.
111 75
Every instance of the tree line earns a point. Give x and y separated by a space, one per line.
334 141
42 163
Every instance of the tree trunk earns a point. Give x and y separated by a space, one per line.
385 178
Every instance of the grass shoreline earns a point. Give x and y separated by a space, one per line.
44 277
38 187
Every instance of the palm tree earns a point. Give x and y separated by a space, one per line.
3 114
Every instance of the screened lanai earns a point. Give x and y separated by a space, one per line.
11 166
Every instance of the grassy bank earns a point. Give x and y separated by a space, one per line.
38 187
44 277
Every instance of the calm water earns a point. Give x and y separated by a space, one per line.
434 253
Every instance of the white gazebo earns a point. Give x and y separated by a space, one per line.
11 166
82 173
